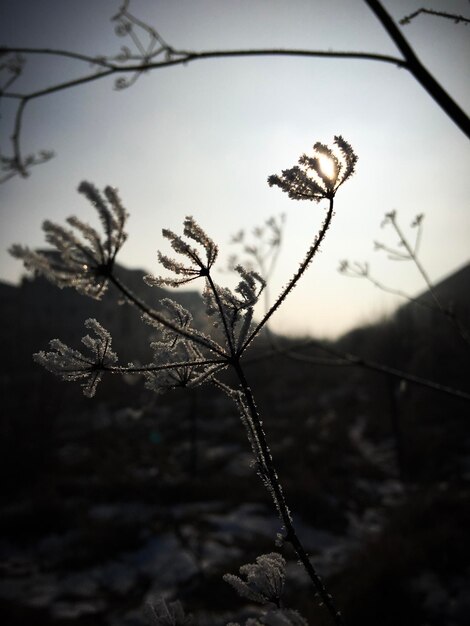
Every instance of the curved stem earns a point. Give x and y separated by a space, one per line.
181 57
176 57
292 283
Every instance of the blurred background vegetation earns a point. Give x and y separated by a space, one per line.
110 502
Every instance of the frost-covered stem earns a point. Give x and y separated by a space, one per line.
221 313
294 280
160 319
118 369
291 535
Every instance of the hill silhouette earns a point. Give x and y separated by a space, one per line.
36 311
418 332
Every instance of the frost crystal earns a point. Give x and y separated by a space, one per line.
71 364
319 176
82 262
264 579
164 613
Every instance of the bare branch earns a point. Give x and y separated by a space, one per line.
163 57
450 16
158 54
414 65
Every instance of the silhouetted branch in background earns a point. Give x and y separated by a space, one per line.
406 251
152 52
414 65
458 19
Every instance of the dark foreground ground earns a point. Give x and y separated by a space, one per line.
114 502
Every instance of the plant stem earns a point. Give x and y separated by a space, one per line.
294 280
210 345
291 535
221 313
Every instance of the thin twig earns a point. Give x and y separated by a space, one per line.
178 57
173 58
350 359
450 16
463 332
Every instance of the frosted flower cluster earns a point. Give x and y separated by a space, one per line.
176 347
183 355
319 176
264 579
264 583
71 364
80 258
199 266
232 310
235 307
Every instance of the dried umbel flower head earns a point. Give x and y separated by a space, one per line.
199 264
318 176
84 263
264 579
71 364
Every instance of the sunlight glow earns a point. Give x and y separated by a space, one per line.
327 166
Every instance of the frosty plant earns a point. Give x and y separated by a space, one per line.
183 355
264 584
405 250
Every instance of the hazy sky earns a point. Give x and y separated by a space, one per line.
202 139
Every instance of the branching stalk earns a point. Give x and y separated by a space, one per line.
161 319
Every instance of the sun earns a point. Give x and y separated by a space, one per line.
327 166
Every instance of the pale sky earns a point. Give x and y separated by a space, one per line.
202 139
